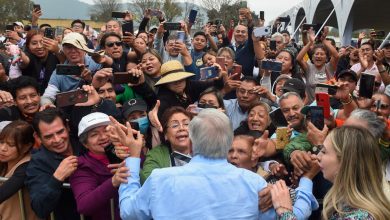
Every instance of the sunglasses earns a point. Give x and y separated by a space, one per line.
111 44
377 84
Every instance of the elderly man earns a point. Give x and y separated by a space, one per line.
208 187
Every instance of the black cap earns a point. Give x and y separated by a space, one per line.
133 105
295 85
348 72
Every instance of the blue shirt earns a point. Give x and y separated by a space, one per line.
202 189
234 112
305 200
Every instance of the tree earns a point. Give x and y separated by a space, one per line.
142 5
15 10
101 10
217 4
226 13
171 10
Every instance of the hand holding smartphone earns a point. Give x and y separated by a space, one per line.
71 97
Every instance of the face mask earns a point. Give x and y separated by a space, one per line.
143 124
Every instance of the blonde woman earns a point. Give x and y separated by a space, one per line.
350 159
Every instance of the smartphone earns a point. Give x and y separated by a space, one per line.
262 15
36 7
205 105
262 31
127 27
243 4
117 14
272 45
284 19
325 88
366 87
59 30
111 156
271 65
172 26
68 69
323 100
282 138
208 73
71 97
192 16
134 125
237 69
378 34
221 62
9 27
124 78
218 22
50 33
278 118
181 35
307 27
316 115
181 156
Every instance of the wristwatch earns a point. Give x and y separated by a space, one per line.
317 148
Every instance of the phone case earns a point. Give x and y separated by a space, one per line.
192 16
270 65
68 69
282 138
366 87
237 69
172 26
324 101
124 78
221 62
117 14
272 45
316 114
49 33
261 31
278 118
261 15
71 97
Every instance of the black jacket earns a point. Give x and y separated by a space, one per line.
46 192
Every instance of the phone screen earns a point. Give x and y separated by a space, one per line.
366 87
192 16
262 15
316 115
278 118
272 45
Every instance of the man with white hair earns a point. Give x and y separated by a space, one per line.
208 187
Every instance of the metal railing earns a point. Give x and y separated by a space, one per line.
52 216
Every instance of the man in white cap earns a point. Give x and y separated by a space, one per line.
17 34
75 51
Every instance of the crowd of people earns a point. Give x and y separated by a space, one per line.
221 124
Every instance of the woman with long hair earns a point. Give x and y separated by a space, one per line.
16 140
350 159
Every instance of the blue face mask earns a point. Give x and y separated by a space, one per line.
143 124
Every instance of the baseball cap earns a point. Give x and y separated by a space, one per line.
18 23
133 105
76 40
91 121
387 90
348 72
295 85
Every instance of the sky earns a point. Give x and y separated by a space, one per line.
272 8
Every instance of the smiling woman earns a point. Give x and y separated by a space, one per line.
175 121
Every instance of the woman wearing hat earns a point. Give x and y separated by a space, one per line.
177 90
92 183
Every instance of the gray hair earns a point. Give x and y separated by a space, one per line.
287 95
277 34
211 134
227 49
376 126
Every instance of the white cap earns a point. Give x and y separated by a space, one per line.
93 120
76 40
18 23
3 124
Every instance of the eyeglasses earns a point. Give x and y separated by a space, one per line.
77 26
111 44
378 105
244 91
176 124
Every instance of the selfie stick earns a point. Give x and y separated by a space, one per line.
384 41
323 25
299 26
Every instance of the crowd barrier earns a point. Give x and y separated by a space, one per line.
52 217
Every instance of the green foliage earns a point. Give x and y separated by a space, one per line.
102 9
171 9
15 10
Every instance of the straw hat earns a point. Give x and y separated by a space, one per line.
77 40
172 71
